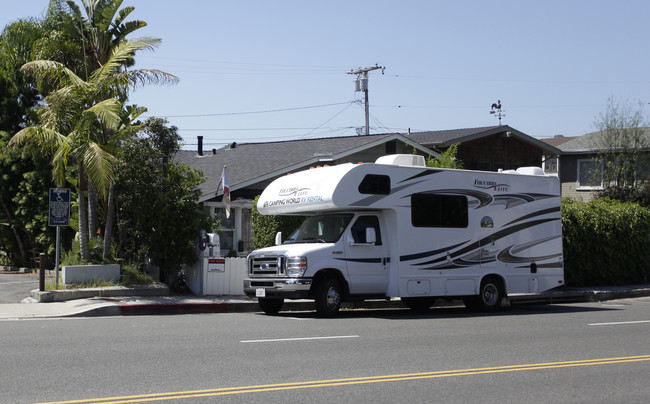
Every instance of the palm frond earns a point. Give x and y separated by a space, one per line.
99 166
122 30
107 11
41 136
141 77
60 162
52 72
108 112
121 16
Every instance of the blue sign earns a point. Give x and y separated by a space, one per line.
59 207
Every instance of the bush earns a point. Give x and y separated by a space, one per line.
606 242
265 227
639 194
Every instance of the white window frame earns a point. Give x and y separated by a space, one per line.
589 187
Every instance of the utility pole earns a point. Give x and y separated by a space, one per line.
361 84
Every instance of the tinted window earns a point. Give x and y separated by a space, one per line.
430 210
323 228
375 184
359 229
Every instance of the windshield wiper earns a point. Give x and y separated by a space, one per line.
320 240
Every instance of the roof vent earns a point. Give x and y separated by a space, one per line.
530 171
233 145
402 160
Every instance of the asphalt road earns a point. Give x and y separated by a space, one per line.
589 352
14 287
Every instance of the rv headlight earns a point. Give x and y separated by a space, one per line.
296 266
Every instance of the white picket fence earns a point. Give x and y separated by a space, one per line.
227 280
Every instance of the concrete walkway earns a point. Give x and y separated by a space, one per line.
155 299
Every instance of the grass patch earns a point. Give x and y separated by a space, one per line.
130 275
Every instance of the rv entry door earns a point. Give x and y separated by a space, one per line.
367 259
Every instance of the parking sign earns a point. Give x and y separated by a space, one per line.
59 207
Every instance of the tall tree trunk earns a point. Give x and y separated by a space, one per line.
92 211
19 241
108 231
83 218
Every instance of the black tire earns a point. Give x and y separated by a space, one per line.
327 297
270 306
419 304
490 296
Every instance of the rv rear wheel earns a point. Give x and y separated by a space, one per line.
418 303
270 306
490 295
327 297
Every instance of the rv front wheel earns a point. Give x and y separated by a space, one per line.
327 297
270 306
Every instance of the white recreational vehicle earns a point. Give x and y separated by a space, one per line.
398 229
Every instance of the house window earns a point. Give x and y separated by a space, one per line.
550 165
227 234
590 175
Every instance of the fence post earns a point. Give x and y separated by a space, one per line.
41 266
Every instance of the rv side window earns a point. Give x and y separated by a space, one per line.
375 184
359 229
430 210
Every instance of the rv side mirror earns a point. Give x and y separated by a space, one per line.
371 237
278 238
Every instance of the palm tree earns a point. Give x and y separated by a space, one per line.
102 29
77 111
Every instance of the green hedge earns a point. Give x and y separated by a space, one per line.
605 243
265 227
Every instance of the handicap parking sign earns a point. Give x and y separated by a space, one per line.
59 207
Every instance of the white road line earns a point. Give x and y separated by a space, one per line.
300 339
623 322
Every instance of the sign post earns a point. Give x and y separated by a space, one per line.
59 216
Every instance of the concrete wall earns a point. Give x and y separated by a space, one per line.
73 274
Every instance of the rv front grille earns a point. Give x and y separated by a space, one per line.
266 266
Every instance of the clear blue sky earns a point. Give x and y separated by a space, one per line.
277 70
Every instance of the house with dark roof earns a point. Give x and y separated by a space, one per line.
250 167
489 148
581 175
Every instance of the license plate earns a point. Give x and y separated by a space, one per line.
260 292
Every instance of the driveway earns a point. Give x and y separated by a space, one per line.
14 287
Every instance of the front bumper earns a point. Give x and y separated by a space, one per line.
286 288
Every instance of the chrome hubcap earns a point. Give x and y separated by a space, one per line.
333 297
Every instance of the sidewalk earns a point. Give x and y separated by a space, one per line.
120 301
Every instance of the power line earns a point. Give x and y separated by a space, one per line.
253 112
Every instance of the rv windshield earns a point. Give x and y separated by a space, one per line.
322 228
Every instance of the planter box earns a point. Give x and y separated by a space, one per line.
89 273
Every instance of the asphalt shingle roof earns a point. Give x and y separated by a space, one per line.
591 142
250 163
446 138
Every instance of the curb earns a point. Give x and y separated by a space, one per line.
48 296
155 300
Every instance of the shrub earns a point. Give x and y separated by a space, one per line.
265 227
606 242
